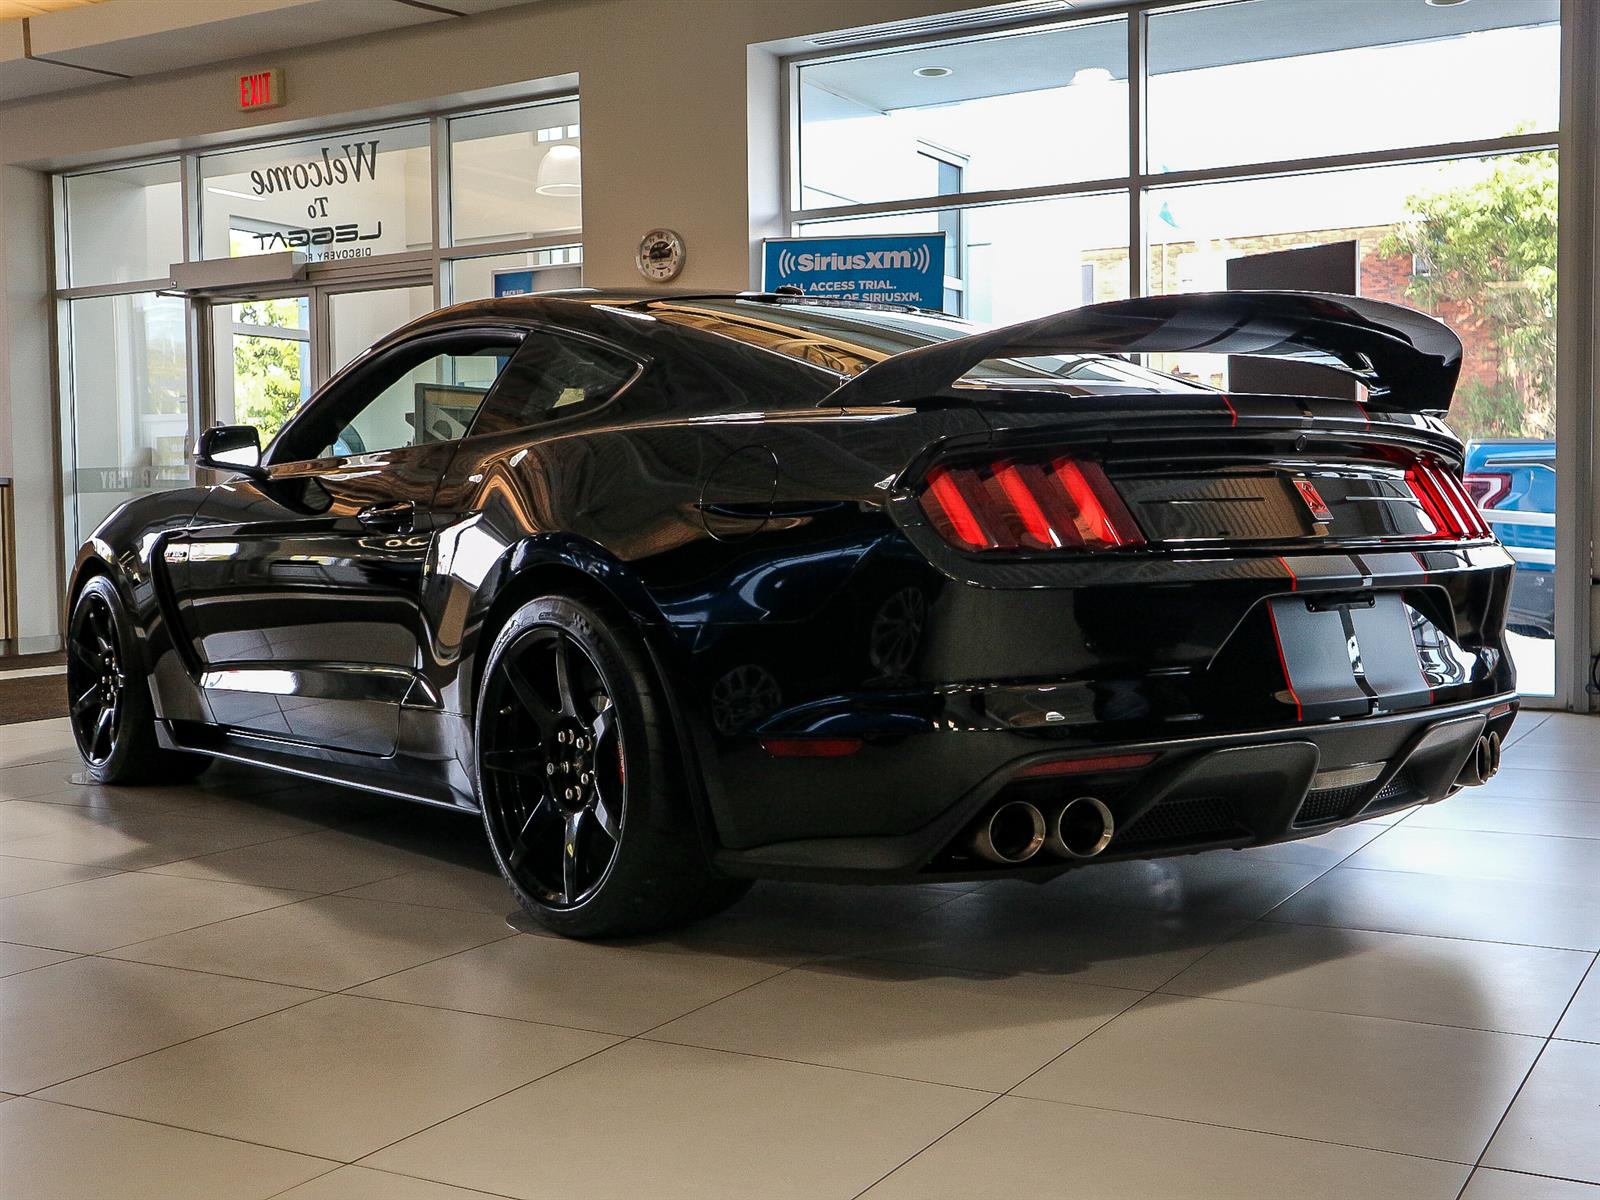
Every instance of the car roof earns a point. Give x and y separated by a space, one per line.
576 302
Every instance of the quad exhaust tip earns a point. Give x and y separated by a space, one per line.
1013 833
1082 829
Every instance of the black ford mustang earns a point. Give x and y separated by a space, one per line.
681 591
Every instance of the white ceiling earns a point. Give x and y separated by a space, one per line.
80 47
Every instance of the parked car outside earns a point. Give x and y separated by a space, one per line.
1513 483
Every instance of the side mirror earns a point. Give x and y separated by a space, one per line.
234 448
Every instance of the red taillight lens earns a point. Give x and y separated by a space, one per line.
810 747
1013 504
1445 501
1487 488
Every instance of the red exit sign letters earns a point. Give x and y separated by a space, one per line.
260 89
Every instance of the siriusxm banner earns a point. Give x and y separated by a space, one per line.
890 269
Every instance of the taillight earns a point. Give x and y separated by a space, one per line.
1022 504
1444 500
1487 488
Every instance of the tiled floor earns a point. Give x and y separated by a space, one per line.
253 987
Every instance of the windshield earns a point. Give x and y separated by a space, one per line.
848 340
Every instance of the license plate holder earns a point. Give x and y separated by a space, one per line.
1348 658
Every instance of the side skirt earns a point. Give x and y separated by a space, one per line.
399 776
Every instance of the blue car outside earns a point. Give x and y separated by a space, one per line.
1513 482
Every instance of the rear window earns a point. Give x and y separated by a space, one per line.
849 340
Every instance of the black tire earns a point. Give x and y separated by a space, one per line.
583 795
108 696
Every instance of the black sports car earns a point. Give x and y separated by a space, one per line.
685 590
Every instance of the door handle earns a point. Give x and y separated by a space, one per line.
388 518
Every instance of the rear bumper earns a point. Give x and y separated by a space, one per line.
1199 793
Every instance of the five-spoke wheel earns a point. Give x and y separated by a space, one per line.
552 758
108 696
581 780
95 678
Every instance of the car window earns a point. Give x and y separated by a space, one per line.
434 401
554 376
414 395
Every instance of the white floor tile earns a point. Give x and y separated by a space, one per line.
671 1122
1554 1127
1425 1090
78 1016
602 986
1489 1184
968 1030
337 1077
1535 914
328 943
53 1152
1445 981
100 914
1582 1021
1034 1150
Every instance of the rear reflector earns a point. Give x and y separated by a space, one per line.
1084 766
1012 504
810 747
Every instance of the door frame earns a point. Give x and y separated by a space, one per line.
204 303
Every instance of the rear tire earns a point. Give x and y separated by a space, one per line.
581 785
108 697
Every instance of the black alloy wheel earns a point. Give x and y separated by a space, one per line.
553 765
581 779
108 696
96 679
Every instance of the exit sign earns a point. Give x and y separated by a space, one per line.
260 89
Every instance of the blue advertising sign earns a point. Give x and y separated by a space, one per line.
886 268
513 283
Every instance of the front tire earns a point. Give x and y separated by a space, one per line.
108 696
583 797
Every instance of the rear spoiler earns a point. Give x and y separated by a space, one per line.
1407 361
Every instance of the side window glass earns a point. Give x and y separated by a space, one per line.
551 377
435 400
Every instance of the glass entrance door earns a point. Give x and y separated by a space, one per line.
262 360
271 351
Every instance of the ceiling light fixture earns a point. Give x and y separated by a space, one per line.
560 172
932 72
1443 3
216 191
1085 75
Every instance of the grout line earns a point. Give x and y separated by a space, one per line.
1495 1132
982 1108
1341 1012
34 1093
1271 1133
1482 1154
226 1137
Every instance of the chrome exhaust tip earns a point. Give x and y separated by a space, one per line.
1082 829
1483 763
1013 833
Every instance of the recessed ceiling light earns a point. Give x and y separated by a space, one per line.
1091 75
1443 3
932 72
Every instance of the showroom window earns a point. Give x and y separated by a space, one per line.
390 220
1256 149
